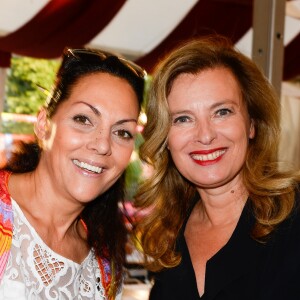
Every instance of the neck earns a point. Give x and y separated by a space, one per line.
43 206
219 207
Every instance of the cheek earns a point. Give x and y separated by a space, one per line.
239 137
122 156
235 131
71 138
65 139
178 139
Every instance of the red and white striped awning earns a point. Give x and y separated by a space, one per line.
142 30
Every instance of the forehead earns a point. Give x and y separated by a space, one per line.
207 78
216 85
222 70
103 90
101 80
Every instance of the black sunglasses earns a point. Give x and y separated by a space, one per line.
78 53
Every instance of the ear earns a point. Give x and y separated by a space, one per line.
41 127
252 129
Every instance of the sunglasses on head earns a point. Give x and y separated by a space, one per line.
84 52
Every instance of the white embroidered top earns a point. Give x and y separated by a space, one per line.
34 271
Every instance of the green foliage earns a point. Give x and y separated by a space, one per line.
17 127
22 93
134 171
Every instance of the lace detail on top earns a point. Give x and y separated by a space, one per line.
44 273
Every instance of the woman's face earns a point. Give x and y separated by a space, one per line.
88 142
210 129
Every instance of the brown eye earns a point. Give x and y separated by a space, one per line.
81 119
125 134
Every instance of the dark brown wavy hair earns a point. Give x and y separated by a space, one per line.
105 224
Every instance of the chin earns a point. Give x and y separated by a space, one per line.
209 183
82 197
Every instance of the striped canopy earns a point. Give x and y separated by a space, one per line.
142 30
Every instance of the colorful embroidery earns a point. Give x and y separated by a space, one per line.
6 221
105 270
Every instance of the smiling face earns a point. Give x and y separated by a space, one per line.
88 142
210 129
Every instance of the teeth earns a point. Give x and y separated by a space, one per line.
210 156
86 166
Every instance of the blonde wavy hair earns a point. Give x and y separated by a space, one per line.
167 193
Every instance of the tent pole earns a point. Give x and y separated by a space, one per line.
268 30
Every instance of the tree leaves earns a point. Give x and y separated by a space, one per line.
22 93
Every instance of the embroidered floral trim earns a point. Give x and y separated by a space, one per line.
6 221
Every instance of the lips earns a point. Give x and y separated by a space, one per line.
87 167
207 156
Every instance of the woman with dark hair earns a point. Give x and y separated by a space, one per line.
62 235
223 219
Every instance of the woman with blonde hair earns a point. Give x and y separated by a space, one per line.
223 220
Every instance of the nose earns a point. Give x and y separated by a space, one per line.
100 144
205 132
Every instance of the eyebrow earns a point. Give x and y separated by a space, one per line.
125 121
98 113
213 106
186 111
94 109
224 102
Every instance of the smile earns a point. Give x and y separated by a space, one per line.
87 167
208 157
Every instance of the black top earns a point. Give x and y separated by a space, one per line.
243 269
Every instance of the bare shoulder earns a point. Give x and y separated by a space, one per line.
19 187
